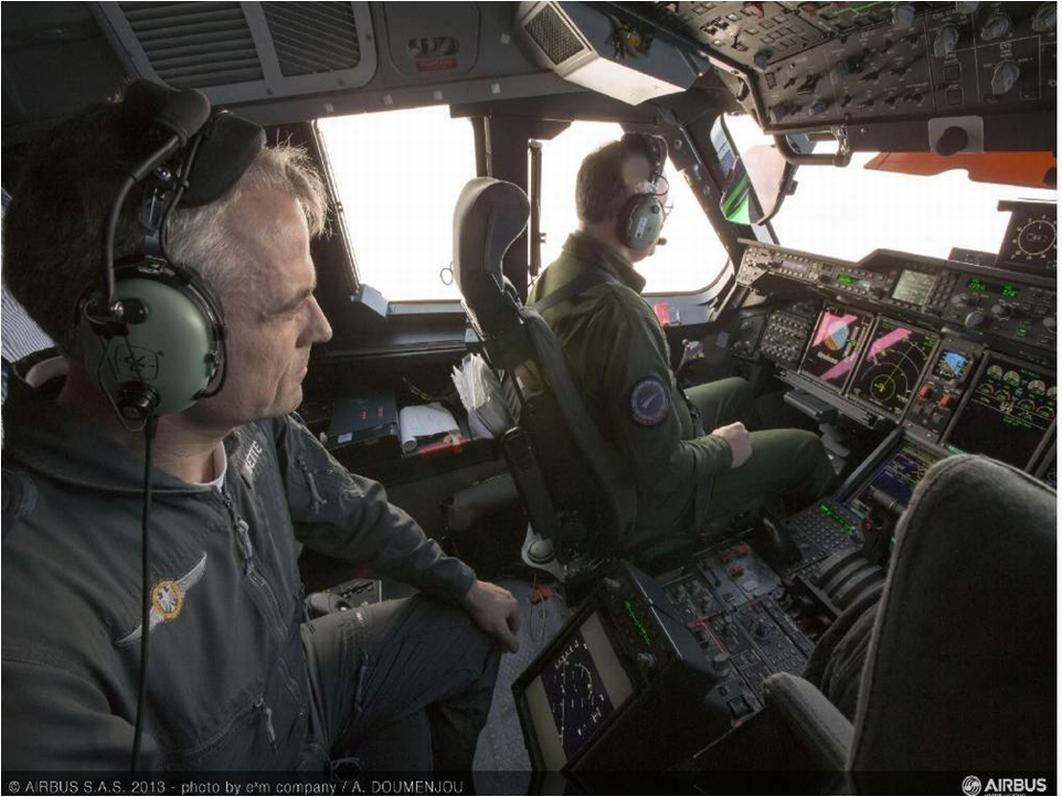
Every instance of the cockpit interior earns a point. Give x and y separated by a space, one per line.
862 226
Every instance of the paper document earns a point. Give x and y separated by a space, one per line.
424 422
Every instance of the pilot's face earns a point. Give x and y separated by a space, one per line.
272 316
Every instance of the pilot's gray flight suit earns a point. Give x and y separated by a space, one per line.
238 680
618 356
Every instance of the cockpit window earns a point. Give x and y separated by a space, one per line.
398 175
848 212
693 256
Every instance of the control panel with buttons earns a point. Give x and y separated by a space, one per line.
937 398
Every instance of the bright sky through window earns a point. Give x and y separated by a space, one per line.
693 256
398 174
848 212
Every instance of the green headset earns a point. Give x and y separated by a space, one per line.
153 333
643 216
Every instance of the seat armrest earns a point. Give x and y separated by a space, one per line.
823 730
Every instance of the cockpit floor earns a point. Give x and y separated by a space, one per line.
501 744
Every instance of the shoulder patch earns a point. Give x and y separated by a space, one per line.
650 401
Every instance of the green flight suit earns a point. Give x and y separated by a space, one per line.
619 359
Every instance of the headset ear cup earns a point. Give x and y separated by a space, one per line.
643 222
164 362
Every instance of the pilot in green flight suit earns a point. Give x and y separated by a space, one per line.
618 357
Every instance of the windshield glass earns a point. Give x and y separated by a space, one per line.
693 255
848 212
397 175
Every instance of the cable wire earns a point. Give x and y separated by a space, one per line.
150 427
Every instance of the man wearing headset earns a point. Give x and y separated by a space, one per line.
237 678
619 359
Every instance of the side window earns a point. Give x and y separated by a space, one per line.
398 174
693 256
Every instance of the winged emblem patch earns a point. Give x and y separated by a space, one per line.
167 599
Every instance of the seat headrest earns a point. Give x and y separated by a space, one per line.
489 216
960 673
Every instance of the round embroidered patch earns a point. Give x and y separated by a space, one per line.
167 599
650 401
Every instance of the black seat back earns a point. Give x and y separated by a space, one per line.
571 486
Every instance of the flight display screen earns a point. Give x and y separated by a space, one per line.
892 365
913 287
575 692
1009 411
953 365
834 347
895 480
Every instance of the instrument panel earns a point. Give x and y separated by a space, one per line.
810 65
909 354
986 301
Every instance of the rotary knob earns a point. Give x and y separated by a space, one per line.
1002 311
1049 322
1005 77
997 26
1045 19
903 15
946 42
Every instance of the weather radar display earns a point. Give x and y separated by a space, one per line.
576 694
892 366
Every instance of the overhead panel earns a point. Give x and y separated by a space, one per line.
237 52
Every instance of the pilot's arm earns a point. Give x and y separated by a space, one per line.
648 417
348 517
56 719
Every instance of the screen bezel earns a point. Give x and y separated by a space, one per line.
534 670
930 361
871 320
988 357
905 439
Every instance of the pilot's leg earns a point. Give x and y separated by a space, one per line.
402 685
723 402
784 462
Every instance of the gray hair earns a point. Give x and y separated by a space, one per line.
199 238
53 225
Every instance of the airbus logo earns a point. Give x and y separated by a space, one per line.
972 786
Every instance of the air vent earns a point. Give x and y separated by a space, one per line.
311 38
549 31
193 45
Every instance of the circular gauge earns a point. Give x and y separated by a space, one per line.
995 372
1035 237
1012 378
1037 388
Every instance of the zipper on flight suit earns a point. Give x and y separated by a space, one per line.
318 499
266 713
243 542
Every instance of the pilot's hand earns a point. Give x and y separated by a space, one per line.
496 611
737 437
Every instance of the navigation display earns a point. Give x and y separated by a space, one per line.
892 365
835 346
576 691
1009 411
895 480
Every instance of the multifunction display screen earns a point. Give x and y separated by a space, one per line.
834 346
892 365
1009 411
